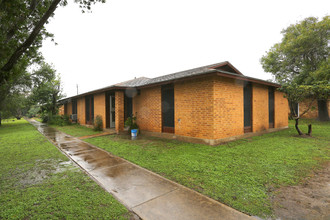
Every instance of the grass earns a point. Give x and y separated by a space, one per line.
76 130
37 119
38 182
242 174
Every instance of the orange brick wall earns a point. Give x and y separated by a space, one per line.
260 117
281 110
312 113
147 109
81 110
228 108
193 100
209 108
119 110
99 107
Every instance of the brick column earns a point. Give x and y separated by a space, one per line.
119 111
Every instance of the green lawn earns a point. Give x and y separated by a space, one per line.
38 119
76 130
38 182
242 174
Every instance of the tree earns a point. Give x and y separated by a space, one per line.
21 34
16 106
46 89
300 62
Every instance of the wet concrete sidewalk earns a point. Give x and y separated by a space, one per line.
147 194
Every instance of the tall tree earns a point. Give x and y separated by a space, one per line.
46 89
16 105
21 34
300 62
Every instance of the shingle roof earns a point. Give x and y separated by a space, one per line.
143 81
182 74
224 68
133 82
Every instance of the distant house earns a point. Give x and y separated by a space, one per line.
308 108
208 104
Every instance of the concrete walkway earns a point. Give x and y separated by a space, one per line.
109 132
147 194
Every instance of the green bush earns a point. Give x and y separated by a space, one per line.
131 123
33 111
44 117
60 120
98 123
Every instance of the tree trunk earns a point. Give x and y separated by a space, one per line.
323 110
297 128
293 110
309 130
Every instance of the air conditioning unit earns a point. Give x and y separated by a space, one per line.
73 117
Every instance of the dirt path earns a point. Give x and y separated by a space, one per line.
309 200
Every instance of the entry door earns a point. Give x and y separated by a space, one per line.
168 108
112 111
247 107
271 106
89 104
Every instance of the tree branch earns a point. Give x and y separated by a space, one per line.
309 106
12 31
28 42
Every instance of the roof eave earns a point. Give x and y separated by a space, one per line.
247 78
106 89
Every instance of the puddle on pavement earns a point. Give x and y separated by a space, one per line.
83 154
52 133
116 171
99 163
107 162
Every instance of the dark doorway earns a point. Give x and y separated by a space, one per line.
128 106
247 107
89 103
168 108
74 111
65 109
74 106
271 106
110 109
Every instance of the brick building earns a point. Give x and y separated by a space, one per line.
308 108
209 104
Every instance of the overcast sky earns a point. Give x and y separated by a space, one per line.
123 39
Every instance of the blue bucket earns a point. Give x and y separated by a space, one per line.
134 132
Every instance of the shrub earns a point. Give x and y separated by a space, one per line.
98 123
33 111
131 123
44 117
60 120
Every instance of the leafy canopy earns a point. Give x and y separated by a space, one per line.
46 89
300 62
22 32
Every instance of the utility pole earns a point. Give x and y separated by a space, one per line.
77 89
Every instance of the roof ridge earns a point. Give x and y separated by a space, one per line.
132 79
196 68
